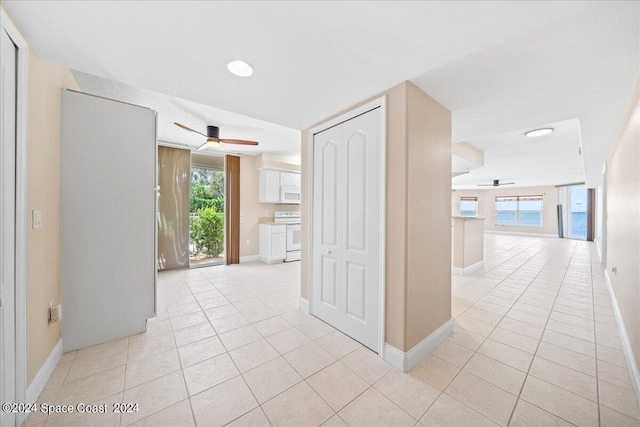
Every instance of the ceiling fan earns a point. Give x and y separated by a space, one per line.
213 138
496 183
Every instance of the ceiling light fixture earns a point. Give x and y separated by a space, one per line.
240 68
538 132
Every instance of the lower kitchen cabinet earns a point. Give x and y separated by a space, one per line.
273 243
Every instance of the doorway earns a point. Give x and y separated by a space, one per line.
347 224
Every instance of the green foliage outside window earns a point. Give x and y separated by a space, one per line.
207 232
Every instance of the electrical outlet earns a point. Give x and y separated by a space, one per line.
37 219
266 213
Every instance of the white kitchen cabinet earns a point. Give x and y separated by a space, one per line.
288 178
273 243
271 180
269 186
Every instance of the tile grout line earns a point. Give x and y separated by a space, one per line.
540 340
595 339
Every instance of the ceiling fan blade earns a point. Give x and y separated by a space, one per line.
203 146
189 129
238 141
486 185
506 183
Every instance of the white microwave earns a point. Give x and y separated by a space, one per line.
290 195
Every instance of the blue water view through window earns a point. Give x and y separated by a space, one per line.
519 211
579 212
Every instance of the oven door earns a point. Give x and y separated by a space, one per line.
294 237
290 195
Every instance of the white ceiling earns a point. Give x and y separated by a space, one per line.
512 157
273 139
498 66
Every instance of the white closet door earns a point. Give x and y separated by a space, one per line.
346 221
328 298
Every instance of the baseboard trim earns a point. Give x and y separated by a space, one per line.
43 375
518 233
249 258
303 304
467 270
624 337
406 361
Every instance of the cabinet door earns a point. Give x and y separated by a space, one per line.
288 178
269 186
278 246
297 179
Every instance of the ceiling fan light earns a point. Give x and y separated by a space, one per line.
240 68
538 132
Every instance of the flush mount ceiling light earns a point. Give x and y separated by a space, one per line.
240 68
538 132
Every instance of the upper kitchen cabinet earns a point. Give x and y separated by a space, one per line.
269 191
279 186
292 179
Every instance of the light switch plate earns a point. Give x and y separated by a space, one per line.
37 219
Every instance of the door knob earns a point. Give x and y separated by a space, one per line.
329 252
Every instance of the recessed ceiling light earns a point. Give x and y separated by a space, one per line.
538 132
240 68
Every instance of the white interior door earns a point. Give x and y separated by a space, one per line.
346 227
7 225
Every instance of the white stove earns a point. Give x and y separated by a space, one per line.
294 232
287 217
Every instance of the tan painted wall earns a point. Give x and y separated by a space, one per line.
424 135
46 80
428 216
487 207
251 210
623 222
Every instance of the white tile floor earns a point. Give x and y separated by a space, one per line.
535 344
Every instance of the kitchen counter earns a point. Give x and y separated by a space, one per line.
468 244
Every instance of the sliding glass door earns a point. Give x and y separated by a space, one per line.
578 213
206 211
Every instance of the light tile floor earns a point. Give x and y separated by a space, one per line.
535 344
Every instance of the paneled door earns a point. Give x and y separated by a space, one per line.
346 227
7 225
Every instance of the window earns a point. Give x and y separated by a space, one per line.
519 210
468 206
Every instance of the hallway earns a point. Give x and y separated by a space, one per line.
535 343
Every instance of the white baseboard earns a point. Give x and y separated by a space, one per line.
303 304
518 233
249 258
467 270
43 375
407 361
624 337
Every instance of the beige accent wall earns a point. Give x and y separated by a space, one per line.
487 207
623 219
418 235
251 211
428 216
46 81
